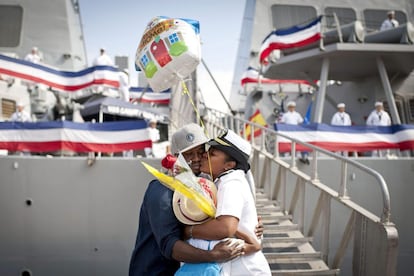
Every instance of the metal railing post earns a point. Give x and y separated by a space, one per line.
342 188
338 27
277 154
293 154
314 166
326 226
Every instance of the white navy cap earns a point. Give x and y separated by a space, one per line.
291 103
341 105
187 137
378 104
235 146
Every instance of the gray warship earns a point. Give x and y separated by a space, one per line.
70 214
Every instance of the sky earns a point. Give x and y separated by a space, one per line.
119 25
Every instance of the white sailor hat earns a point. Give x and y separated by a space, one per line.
234 146
341 105
378 104
291 103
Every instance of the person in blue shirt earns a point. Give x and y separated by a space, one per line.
159 248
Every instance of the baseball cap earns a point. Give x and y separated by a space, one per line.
187 137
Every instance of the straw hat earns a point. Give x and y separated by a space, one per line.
186 211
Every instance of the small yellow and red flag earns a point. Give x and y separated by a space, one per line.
256 118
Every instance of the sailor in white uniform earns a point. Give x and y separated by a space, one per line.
124 85
390 22
341 118
33 56
292 117
103 59
154 135
379 117
20 115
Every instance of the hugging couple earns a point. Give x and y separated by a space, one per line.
172 229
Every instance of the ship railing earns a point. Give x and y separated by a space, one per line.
375 237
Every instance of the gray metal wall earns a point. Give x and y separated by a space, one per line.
82 220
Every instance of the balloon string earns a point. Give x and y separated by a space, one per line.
209 166
185 91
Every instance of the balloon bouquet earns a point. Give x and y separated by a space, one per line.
168 52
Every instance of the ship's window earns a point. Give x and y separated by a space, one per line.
374 18
284 16
7 108
345 16
411 108
75 5
399 105
10 25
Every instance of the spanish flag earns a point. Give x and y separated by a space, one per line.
256 118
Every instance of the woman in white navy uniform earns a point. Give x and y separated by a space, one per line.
227 162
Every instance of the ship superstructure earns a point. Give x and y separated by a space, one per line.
358 53
78 215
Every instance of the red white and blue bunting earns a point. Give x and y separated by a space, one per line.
78 137
347 138
59 80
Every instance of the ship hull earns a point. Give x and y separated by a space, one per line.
62 217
